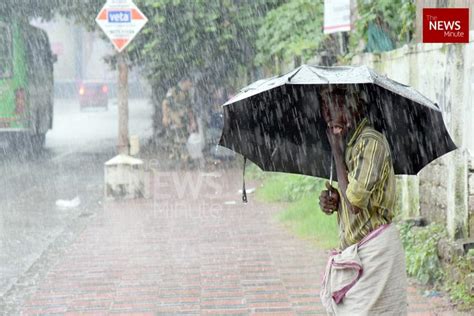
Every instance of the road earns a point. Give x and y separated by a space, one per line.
70 166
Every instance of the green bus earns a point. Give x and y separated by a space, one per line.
26 85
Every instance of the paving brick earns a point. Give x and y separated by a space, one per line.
87 313
240 311
44 310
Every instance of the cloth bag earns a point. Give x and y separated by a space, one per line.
194 145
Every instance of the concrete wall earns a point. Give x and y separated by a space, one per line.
442 72
471 197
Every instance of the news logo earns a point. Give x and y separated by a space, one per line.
446 25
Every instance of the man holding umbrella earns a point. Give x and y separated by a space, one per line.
367 277
301 122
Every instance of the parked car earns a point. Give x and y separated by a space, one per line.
93 94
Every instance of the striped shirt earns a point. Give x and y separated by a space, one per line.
371 185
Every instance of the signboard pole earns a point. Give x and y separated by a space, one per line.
122 93
121 21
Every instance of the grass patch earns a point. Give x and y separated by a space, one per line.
459 293
276 187
302 214
307 220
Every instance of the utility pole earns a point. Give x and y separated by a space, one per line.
122 93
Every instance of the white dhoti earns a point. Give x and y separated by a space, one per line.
367 278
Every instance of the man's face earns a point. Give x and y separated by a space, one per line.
186 84
335 113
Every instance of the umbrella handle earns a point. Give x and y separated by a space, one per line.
244 193
330 176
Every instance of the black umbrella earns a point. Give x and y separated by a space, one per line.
277 124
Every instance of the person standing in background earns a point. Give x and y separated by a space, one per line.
178 120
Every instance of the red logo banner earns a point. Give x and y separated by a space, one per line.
445 25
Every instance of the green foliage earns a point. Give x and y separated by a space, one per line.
459 290
421 252
306 219
292 30
254 172
303 186
395 18
459 293
83 11
302 213
282 187
423 263
274 189
213 36
27 9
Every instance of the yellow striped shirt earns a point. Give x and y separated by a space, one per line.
371 185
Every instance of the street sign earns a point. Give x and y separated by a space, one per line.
121 21
337 16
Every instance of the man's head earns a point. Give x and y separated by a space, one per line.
341 108
185 84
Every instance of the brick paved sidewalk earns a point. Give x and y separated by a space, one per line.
190 250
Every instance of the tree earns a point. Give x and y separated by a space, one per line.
213 42
382 25
203 36
47 9
291 32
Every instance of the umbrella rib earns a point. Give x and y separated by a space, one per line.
320 76
274 152
291 77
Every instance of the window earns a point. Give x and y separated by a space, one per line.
6 57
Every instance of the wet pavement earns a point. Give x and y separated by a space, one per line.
193 249
70 166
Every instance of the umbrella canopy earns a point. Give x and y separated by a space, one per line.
277 122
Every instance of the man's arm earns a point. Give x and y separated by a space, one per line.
371 153
342 175
192 121
356 186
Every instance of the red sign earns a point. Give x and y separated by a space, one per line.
445 25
